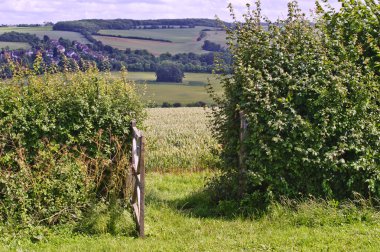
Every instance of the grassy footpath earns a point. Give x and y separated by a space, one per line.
173 224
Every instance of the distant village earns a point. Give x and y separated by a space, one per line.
52 50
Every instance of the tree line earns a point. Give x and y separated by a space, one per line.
94 25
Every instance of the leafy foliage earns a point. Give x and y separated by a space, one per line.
65 140
169 72
356 26
312 110
211 46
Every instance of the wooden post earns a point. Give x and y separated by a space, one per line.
242 154
138 173
142 188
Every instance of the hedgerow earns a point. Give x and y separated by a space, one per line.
64 142
311 102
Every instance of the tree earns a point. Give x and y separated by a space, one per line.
46 38
357 24
311 105
211 46
169 72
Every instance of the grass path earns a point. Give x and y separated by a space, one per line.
173 225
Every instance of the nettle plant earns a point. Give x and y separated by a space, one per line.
312 109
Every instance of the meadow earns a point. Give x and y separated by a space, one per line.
190 91
181 217
41 31
183 40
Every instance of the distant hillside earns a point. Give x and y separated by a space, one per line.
94 25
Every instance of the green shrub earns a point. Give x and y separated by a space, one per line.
312 111
64 142
169 72
54 190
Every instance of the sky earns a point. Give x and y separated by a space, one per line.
39 11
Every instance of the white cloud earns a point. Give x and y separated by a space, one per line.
37 11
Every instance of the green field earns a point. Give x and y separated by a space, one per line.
174 35
14 45
47 30
191 90
154 47
184 40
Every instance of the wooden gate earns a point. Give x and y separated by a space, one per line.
138 178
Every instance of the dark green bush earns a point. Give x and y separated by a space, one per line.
169 72
64 142
312 110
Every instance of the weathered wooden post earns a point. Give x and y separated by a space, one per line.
138 175
242 154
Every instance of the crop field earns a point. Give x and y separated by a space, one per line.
154 47
14 45
184 40
174 35
218 37
179 139
191 90
46 30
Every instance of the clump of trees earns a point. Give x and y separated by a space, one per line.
32 39
211 46
169 72
309 94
